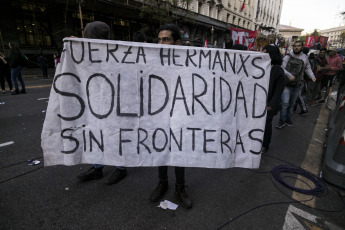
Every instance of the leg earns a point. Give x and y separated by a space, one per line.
285 103
293 97
2 81
180 188
162 186
21 80
95 172
268 130
14 79
8 79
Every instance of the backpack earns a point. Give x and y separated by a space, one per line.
295 66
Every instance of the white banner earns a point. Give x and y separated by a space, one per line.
135 104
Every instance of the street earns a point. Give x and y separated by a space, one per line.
37 197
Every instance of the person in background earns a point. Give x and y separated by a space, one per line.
5 73
335 64
303 88
275 90
56 60
16 60
43 61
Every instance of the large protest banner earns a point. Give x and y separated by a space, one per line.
137 104
316 42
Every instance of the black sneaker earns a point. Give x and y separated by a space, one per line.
23 91
159 191
117 175
92 173
303 112
280 124
181 194
289 123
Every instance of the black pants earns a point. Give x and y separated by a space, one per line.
268 129
179 174
45 72
5 75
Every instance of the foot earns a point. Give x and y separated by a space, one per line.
159 191
117 175
303 112
280 124
4 91
15 92
181 194
92 173
23 91
314 103
289 123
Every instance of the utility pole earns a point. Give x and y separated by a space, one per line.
81 18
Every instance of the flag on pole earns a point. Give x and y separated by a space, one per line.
244 3
205 45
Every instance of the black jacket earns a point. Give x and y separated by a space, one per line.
276 87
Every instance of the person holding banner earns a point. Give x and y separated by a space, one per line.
100 30
170 34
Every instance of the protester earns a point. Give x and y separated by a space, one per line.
335 64
169 34
16 60
5 73
100 30
56 60
139 37
303 88
43 61
295 63
275 90
319 65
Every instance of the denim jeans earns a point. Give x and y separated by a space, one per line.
288 100
16 72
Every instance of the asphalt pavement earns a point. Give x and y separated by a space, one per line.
37 197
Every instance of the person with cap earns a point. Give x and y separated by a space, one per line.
335 64
100 30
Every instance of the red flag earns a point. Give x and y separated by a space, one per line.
244 37
244 2
205 45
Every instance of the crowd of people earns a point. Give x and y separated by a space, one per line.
295 78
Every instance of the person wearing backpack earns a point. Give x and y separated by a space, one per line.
296 63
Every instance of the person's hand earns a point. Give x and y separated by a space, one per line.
292 78
313 79
269 108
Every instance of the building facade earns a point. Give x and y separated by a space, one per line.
290 33
40 25
336 36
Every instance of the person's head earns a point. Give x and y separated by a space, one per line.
332 51
305 50
340 51
228 44
239 47
169 34
97 30
13 46
297 47
187 43
139 37
275 55
311 56
322 52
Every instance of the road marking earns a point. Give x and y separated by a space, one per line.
39 99
298 219
312 160
6 143
38 86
